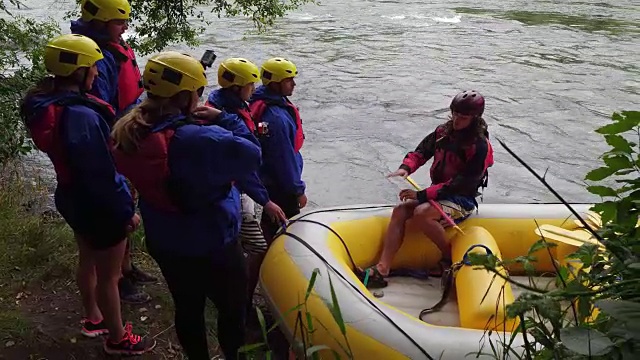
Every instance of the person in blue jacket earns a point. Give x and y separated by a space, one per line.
237 78
183 160
281 140
70 126
119 83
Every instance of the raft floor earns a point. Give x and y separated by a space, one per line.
412 295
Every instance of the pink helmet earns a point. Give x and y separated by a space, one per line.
469 102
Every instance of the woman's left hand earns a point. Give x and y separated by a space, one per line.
408 194
206 112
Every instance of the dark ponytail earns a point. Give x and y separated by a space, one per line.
481 127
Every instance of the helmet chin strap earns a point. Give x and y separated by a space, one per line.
276 87
82 86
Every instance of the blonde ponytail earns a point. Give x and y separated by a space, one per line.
136 125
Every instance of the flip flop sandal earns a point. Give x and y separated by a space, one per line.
371 278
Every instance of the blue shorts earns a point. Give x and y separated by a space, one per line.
459 208
95 225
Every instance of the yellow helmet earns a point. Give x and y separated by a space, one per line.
105 10
67 53
237 71
277 69
170 72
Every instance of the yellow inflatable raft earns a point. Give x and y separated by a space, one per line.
384 324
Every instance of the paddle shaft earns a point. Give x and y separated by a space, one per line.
436 205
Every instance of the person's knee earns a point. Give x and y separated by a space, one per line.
106 277
426 212
402 212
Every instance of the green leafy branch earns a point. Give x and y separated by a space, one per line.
305 326
160 23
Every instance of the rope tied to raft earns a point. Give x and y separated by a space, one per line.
448 276
284 231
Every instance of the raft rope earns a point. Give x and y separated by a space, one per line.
353 264
447 280
283 231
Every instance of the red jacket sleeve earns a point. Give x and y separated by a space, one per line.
467 180
423 152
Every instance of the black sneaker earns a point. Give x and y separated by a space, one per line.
131 294
139 277
92 330
131 344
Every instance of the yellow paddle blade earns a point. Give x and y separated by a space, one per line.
593 225
570 237
594 218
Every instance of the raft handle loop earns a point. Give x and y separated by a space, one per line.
465 258
446 282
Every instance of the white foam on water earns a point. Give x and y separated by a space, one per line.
439 19
454 20
307 16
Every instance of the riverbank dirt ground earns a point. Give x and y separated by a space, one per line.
45 322
40 309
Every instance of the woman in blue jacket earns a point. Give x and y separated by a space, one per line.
118 83
71 127
237 78
183 160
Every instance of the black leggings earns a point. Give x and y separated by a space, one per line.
193 279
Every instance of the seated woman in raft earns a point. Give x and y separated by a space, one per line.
461 154
184 169
71 127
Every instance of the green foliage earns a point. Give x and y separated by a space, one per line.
305 325
160 23
561 323
35 249
21 48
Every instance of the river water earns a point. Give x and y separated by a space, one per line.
377 76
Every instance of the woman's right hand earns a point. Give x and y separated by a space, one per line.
400 172
206 112
275 212
133 223
302 201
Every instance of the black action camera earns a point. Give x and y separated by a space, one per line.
208 58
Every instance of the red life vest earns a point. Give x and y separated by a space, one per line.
247 118
148 168
244 114
45 128
259 106
129 78
451 157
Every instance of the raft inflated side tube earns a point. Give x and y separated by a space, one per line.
472 284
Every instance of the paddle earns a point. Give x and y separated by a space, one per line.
593 219
574 238
437 206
